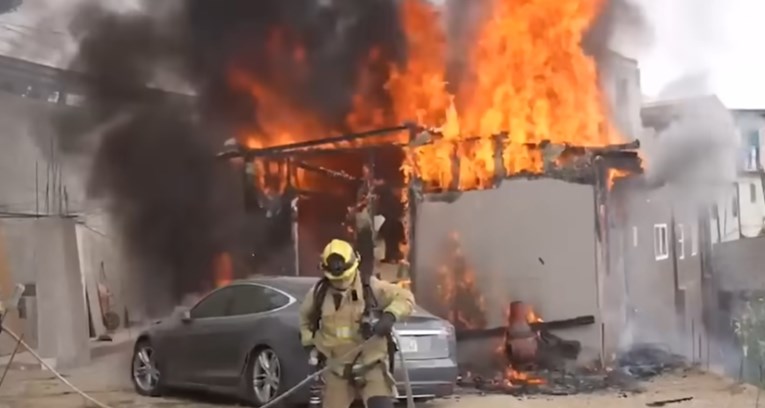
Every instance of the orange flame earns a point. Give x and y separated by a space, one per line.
528 77
513 376
615 174
223 269
527 80
457 290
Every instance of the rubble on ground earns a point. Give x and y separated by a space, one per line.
637 365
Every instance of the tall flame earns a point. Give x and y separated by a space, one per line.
457 288
527 80
528 77
223 269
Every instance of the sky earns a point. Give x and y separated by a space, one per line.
721 40
717 42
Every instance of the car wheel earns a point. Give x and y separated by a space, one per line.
264 376
144 371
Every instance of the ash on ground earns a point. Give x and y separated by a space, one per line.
639 364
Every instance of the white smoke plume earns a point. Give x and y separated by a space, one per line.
693 145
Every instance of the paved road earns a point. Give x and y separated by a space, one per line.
107 380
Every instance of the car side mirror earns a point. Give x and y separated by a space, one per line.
186 316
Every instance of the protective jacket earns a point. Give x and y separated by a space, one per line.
339 330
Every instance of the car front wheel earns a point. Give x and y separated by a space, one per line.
264 376
144 371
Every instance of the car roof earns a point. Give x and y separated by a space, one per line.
296 286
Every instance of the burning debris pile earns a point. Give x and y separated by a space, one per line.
537 362
529 357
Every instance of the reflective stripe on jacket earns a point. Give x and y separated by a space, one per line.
340 330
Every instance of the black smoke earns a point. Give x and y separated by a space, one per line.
177 206
9 6
336 36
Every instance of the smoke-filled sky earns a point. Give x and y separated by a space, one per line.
718 40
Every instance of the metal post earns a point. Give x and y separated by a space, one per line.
412 191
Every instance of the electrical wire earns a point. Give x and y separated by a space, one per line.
58 375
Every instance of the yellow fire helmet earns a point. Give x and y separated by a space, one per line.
339 261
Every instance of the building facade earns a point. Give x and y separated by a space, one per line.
53 239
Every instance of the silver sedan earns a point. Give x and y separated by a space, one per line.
243 340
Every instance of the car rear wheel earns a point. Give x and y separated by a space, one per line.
144 370
264 376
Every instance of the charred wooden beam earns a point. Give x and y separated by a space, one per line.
327 172
422 137
350 137
551 345
293 148
564 324
499 158
409 216
627 161
663 403
538 326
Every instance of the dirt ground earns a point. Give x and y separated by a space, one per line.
106 379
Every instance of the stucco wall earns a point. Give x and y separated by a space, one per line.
44 252
529 240
663 293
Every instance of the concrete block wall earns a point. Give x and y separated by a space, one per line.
62 336
44 252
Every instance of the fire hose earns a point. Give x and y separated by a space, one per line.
333 363
58 375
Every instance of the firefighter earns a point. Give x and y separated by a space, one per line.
333 321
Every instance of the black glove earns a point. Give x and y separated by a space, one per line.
384 325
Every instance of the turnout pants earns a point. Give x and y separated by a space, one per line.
376 392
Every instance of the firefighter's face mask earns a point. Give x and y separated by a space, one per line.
339 264
340 272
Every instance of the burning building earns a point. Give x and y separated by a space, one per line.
490 147
505 166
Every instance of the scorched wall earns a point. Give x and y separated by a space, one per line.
528 240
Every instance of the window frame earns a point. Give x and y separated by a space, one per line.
680 231
208 296
290 299
660 236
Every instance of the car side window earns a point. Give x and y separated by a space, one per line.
249 299
217 304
